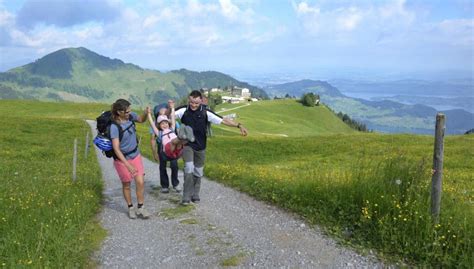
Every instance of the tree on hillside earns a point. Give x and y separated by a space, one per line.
352 123
308 99
214 100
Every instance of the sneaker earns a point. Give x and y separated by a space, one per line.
196 201
177 189
165 190
189 133
132 213
143 213
185 203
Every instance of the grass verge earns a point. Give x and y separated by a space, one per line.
371 190
47 220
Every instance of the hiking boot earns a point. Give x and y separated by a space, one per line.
189 133
177 189
186 133
143 213
196 201
181 133
165 190
132 213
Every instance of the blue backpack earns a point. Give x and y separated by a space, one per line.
103 141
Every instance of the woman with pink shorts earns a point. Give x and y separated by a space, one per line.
127 159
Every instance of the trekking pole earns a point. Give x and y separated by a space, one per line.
74 160
87 145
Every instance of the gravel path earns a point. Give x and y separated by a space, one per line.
226 228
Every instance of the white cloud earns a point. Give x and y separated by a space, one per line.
349 19
358 21
211 39
229 10
6 18
396 10
155 40
457 32
150 21
94 32
303 8
266 37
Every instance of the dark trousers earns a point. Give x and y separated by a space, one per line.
164 180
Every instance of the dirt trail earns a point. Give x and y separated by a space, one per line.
226 228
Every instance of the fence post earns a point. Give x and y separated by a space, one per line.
86 151
74 160
436 180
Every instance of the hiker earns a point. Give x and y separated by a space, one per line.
194 153
172 144
163 109
129 166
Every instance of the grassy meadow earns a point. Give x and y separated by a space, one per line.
47 220
372 191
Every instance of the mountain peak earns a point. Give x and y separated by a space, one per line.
59 64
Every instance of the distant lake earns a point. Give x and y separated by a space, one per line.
371 96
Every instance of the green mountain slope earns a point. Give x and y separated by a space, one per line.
80 75
283 118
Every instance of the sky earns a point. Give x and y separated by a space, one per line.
250 37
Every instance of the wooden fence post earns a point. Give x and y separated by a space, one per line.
436 180
86 151
74 160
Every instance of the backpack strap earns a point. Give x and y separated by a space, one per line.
121 132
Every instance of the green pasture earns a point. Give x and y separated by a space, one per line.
370 190
283 118
47 220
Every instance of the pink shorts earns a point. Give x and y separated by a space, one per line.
123 172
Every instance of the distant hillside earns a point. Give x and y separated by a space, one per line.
284 118
384 116
298 88
213 79
81 75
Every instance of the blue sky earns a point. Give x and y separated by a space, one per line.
248 36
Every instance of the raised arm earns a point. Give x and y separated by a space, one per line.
231 123
152 124
172 114
142 117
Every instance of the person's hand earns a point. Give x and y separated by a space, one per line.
171 104
132 169
147 110
243 130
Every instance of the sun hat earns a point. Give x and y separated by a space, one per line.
162 118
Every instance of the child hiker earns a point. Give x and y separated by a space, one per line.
165 131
